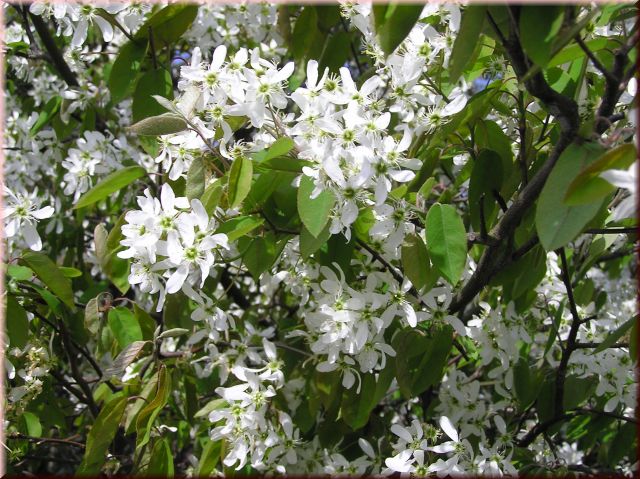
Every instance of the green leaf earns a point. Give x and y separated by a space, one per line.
70 272
110 184
557 223
588 186
46 114
525 383
577 390
427 186
574 51
148 414
32 424
616 335
356 408
304 32
421 359
260 255
531 270
154 82
148 392
161 459
486 177
211 197
47 271
239 184
394 24
415 261
19 273
539 26
101 435
466 40
195 179
336 53
446 241
239 226
283 163
209 458
309 244
168 24
125 326
209 407
314 213
280 147
125 69
17 323
164 124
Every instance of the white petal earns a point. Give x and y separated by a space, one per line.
401 432
43 213
447 427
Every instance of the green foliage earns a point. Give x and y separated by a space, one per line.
164 124
314 213
240 177
416 264
125 68
556 222
17 323
153 82
466 40
110 184
393 23
446 241
50 275
539 27
423 358
101 435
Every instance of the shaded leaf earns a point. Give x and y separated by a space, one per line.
101 435
110 184
240 177
466 40
446 241
17 323
557 223
314 213
394 23
49 273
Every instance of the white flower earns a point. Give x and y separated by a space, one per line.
21 216
627 180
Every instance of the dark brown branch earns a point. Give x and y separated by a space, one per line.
566 111
76 373
596 63
614 85
608 414
46 439
571 339
591 345
54 52
236 294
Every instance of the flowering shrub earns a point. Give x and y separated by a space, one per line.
341 239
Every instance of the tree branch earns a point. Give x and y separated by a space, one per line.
566 111
54 52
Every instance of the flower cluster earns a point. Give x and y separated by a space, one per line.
170 242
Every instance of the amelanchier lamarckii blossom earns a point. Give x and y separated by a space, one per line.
345 239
